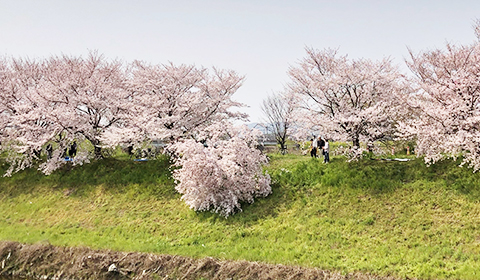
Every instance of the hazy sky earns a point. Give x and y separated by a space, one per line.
258 39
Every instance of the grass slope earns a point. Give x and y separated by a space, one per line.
387 218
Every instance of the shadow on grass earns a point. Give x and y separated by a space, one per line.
372 176
459 179
261 209
294 181
114 175
375 176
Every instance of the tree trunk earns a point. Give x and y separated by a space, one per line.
97 149
98 152
283 147
356 142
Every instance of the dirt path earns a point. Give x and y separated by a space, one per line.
44 261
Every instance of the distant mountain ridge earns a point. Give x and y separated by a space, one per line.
260 126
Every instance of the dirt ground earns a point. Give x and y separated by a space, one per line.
44 261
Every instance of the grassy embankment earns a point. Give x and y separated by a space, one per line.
387 218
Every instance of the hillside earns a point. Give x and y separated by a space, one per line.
382 217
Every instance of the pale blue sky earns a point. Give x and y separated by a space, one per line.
258 39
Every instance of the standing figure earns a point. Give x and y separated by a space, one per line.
314 146
49 150
321 145
326 152
72 152
130 150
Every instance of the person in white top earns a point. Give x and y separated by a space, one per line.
326 151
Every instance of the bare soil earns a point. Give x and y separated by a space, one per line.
44 261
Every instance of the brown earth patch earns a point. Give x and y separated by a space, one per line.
44 261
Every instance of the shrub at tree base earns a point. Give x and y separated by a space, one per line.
221 173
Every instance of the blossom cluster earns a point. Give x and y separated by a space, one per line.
447 122
221 172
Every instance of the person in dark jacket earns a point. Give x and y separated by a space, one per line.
72 152
314 147
321 145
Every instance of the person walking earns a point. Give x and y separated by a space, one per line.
326 152
314 146
321 145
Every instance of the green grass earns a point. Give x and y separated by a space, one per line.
383 217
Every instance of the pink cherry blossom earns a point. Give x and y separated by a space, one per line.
222 170
344 99
447 104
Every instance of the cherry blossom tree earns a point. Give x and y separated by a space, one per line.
173 102
192 109
447 103
9 95
348 100
25 128
220 169
59 101
87 97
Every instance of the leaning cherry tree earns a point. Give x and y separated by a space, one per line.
448 104
191 108
220 168
347 99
